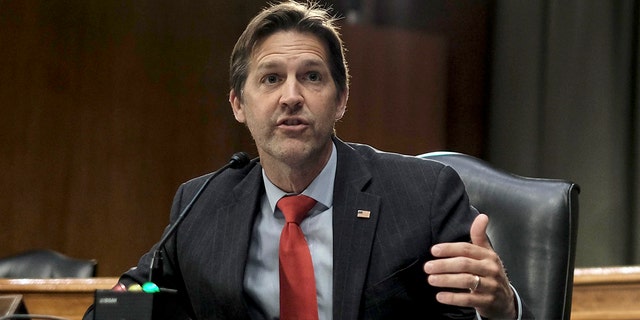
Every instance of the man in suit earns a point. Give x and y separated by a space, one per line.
390 236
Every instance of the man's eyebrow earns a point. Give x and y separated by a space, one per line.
268 65
313 63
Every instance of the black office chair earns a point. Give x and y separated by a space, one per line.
46 264
533 226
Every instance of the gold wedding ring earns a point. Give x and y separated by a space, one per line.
476 283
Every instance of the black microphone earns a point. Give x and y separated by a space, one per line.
237 161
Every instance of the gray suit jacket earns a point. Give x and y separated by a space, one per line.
414 204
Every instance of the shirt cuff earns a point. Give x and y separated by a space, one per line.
515 292
518 300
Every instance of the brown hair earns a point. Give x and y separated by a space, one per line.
291 15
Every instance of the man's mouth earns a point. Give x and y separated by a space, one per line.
292 122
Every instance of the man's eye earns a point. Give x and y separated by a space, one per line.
272 78
314 76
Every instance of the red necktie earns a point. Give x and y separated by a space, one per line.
297 284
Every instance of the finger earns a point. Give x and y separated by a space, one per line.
478 231
462 281
457 249
450 265
462 299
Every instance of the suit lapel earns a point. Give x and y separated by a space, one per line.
237 218
353 233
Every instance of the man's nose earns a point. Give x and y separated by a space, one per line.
291 93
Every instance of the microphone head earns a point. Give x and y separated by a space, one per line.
239 160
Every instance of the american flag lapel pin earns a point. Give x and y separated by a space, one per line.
364 214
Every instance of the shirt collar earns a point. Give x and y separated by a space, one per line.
320 189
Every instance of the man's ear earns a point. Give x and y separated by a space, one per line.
236 106
342 105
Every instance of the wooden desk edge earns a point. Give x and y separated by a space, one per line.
622 274
582 276
57 285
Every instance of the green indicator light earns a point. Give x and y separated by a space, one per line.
150 287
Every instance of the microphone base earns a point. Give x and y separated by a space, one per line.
111 305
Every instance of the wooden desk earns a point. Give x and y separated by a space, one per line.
598 293
66 298
606 293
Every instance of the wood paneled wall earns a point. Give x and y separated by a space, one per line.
107 106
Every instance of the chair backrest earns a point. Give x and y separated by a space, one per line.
533 226
46 264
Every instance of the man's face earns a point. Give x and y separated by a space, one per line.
289 101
